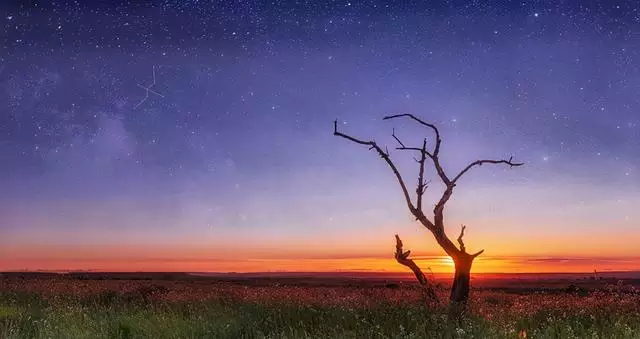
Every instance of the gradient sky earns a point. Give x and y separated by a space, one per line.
233 167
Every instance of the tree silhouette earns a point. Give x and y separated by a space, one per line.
462 260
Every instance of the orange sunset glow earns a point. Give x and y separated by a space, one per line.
437 265
535 254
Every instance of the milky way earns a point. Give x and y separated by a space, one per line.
203 122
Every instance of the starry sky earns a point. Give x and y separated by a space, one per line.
197 135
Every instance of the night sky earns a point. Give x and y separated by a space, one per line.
228 162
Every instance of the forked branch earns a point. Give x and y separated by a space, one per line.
403 259
420 121
436 150
384 155
463 249
449 184
439 209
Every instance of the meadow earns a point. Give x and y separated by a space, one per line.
56 306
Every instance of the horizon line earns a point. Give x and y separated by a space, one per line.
62 271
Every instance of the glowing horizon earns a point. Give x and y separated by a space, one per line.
307 256
436 264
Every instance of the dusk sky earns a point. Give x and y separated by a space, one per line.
228 163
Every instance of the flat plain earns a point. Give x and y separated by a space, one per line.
303 305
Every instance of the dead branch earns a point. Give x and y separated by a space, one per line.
462 248
449 184
403 259
405 148
384 155
480 162
393 134
436 150
439 209
433 127
421 188
477 253
421 185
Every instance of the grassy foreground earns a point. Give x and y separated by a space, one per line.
154 311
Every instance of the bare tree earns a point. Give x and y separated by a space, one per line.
462 260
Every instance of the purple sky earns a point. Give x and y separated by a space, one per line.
238 149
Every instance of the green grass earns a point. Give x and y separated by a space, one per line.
107 315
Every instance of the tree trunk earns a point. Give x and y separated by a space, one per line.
461 279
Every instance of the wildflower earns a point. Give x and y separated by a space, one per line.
523 334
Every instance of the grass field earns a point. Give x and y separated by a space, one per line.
64 307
